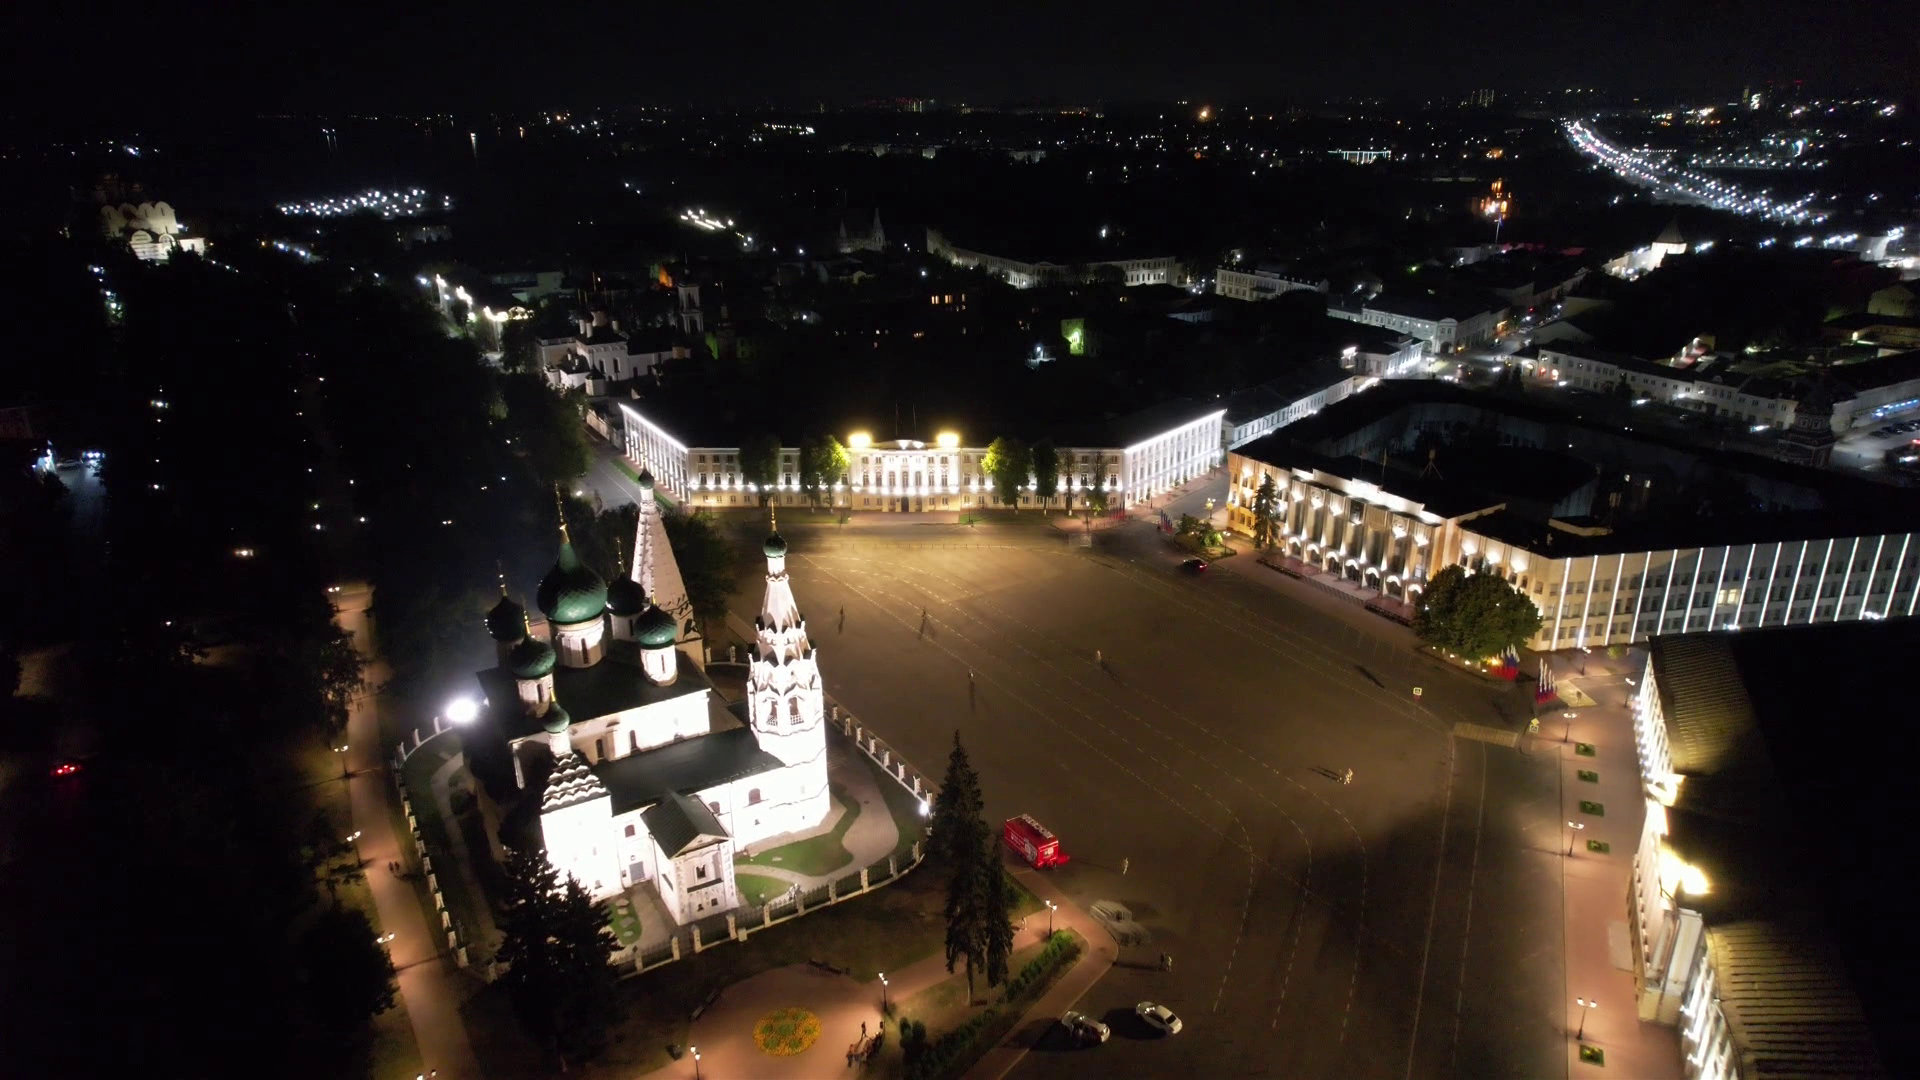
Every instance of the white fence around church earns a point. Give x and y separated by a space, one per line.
739 924
736 925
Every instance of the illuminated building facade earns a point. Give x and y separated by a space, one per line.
1823 551
1729 937
1023 274
1151 452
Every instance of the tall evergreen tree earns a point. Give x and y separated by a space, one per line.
997 933
1046 471
556 948
1265 502
960 841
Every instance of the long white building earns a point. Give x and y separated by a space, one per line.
1029 273
1146 454
1381 534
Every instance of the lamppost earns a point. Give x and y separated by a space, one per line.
696 1062
1567 735
1051 907
342 751
1576 826
883 992
1587 1005
355 841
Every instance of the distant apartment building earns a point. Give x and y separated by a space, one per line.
1261 284
1444 324
1860 391
1023 274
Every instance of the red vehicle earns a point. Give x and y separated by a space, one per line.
1034 843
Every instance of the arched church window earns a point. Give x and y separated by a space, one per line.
752 798
629 830
793 709
714 806
773 714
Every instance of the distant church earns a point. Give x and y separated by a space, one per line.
606 744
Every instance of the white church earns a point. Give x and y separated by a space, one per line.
637 770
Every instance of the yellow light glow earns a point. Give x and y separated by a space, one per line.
859 440
947 440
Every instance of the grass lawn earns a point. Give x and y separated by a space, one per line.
623 920
902 804
821 854
757 889
885 930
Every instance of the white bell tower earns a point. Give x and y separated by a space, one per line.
786 698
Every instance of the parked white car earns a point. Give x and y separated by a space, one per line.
1085 1028
1158 1017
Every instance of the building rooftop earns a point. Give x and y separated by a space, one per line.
1825 503
1436 308
676 823
1789 1003
613 685
684 767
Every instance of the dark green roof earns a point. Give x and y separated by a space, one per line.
690 765
656 628
556 720
613 685
531 659
775 546
507 621
571 592
625 598
646 479
676 821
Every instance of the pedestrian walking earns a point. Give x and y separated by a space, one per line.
863 1029
1124 863
1099 660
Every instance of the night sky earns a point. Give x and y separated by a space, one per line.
113 57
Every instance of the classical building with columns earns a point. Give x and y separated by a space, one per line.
604 743
1130 459
1576 524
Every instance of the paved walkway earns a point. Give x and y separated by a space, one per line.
431 987
873 834
1599 949
1093 966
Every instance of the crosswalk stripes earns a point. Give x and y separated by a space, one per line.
1483 733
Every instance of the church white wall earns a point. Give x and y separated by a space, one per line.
579 842
635 730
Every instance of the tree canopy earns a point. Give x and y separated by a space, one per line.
1475 615
1046 470
556 948
705 558
1266 501
1008 461
823 463
760 464
978 897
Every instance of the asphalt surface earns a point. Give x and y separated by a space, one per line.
1408 924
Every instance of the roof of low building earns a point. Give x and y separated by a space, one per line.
1789 1003
690 765
677 823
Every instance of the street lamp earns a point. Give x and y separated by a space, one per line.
355 841
1051 907
1576 826
696 1062
883 992
1586 1005
462 710
1567 735
342 751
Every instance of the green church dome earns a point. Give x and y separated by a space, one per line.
557 720
775 546
656 628
531 659
507 621
646 479
571 592
625 598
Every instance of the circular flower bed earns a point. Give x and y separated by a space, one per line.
786 1032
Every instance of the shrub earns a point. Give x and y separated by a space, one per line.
956 1051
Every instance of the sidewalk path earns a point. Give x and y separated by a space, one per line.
431 987
1093 966
1599 941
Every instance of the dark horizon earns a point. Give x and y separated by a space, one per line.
484 57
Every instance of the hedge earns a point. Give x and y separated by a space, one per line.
954 1052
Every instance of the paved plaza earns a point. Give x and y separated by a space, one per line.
1408 924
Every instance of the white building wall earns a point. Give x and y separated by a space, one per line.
652 448
1171 458
580 841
